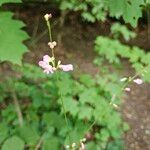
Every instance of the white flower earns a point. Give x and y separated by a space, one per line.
47 16
123 79
127 89
73 145
52 44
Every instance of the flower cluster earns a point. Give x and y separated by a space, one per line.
48 64
137 81
52 44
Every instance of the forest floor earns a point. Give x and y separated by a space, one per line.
77 47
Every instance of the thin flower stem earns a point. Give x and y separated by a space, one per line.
60 93
50 38
136 75
64 111
129 80
91 126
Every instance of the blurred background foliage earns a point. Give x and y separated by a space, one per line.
35 96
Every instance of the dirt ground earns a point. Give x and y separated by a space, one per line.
77 48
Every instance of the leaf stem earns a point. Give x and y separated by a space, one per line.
18 109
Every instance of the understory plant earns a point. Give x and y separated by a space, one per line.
56 110
53 109
87 106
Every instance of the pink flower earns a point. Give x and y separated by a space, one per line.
68 67
42 64
48 69
45 64
138 81
46 58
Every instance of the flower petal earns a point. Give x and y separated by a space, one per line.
68 67
138 81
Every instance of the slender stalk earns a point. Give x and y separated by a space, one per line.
60 93
64 112
18 109
129 80
50 36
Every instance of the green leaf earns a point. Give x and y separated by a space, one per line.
4 130
11 37
130 10
117 29
29 135
9 1
87 80
88 96
71 105
51 143
13 143
88 16
53 119
85 112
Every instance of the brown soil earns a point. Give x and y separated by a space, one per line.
77 48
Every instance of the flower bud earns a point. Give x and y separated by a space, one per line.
54 43
47 16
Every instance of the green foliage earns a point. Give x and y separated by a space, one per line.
15 143
112 50
11 37
120 30
86 99
92 10
9 1
130 10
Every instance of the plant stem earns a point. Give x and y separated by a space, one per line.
64 112
129 80
18 109
50 36
39 143
60 93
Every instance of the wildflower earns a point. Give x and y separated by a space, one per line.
67 146
48 65
138 81
47 68
82 146
68 67
48 59
73 145
52 44
123 79
45 64
47 16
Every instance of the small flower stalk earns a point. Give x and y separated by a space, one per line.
49 64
